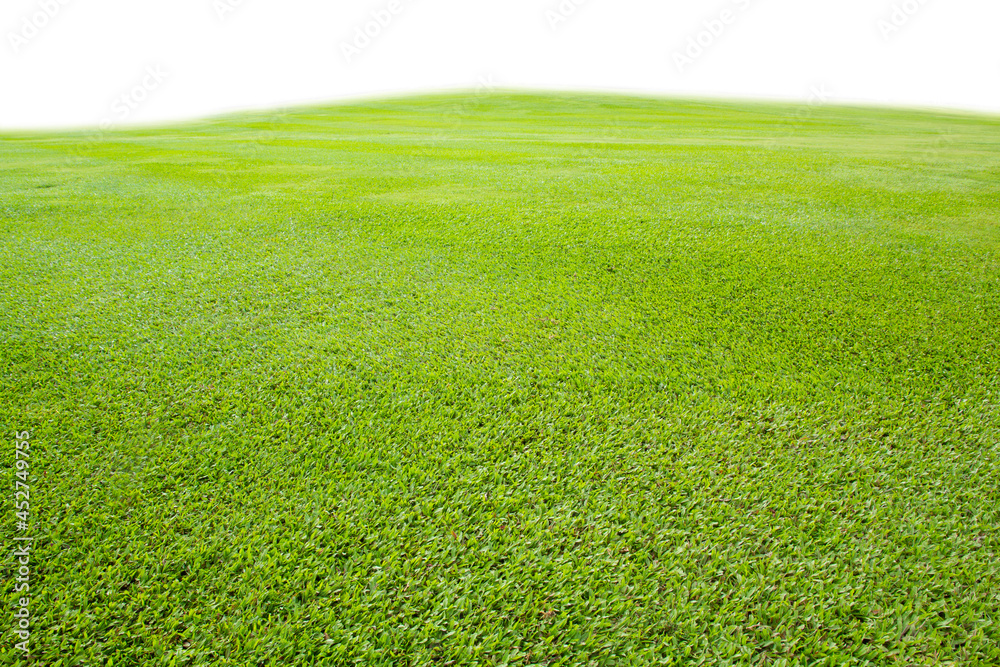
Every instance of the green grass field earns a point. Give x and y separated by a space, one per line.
507 379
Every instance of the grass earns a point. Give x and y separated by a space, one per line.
508 379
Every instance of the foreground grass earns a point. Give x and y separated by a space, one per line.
508 379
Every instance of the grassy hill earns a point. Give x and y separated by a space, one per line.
507 379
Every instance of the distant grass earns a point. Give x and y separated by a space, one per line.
508 379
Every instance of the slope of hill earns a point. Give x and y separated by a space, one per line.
508 379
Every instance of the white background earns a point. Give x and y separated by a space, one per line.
84 62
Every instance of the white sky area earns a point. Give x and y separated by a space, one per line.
116 62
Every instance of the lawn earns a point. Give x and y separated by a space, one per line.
506 379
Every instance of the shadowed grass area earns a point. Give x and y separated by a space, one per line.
508 379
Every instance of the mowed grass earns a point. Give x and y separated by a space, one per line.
508 379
